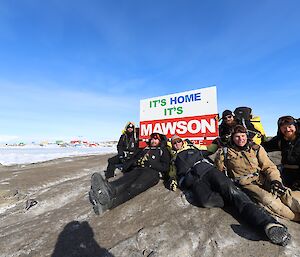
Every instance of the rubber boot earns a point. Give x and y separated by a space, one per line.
278 234
100 193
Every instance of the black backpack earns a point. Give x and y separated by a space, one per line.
186 159
243 116
243 113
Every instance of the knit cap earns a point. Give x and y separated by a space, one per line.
175 137
226 112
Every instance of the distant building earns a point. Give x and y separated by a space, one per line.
59 142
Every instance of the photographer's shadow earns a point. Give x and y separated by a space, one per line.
77 240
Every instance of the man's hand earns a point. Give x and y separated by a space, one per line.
173 184
140 162
277 188
144 161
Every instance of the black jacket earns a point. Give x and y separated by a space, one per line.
127 142
224 130
224 133
290 151
158 158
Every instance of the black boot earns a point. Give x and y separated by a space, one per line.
109 173
100 194
278 234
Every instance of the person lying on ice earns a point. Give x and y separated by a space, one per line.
211 188
250 167
141 172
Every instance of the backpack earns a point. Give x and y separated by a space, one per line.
186 159
243 113
255 130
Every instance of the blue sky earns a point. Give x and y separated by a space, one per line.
79 68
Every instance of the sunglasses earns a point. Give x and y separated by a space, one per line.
176 142
228 117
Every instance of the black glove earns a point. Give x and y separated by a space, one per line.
277 188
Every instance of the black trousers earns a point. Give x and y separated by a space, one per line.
290 177
112 162
131 184
212 188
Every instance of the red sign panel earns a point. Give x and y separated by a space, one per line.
201 129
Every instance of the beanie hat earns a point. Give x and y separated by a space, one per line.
238 129
174 137
155 136
226 112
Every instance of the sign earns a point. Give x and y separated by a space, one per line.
190 114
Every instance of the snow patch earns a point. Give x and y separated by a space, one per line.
27 155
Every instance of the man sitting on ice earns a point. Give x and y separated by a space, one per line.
140 173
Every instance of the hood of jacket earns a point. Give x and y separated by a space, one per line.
296 123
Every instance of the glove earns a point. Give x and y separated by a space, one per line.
144 161
277 188
141 163
173 184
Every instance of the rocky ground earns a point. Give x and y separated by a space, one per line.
156 223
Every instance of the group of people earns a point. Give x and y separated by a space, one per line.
242 174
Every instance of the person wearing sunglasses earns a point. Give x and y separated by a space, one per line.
141 172
228 122
211 188
287 141
177 143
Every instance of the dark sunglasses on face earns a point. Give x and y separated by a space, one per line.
176 142
228 117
